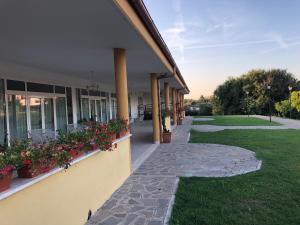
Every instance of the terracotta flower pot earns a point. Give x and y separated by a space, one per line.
46 167
121 133
113 137
5 181
29 171
167 137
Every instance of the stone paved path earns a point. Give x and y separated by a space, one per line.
146 196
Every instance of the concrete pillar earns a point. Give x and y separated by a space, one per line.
167 106
121 83
174 98
155 110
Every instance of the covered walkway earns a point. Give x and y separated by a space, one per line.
141 142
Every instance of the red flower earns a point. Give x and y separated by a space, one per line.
80 146
27 162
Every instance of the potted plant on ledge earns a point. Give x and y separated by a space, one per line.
5 171
166 135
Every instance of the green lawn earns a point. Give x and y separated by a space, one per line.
235 121
270 196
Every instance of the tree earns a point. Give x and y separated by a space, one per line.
232 93
283 107
295 100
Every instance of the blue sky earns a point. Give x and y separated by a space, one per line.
214 39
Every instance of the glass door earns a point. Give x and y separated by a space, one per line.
103 111
85 109
93 110
3 140
35 107
49 113
98 104
61 114
17 117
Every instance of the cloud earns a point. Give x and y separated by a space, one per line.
175 35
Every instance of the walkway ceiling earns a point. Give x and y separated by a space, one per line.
75 37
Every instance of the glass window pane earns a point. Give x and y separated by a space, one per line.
49 113
36 87
104 111
15 85
98 110
60 89
61 116
69 105
93 109
35 105
3 140
85 109
17 117
78 104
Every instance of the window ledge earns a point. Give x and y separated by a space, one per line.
18 184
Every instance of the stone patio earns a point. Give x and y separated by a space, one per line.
146 196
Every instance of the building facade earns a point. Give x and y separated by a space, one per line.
65 62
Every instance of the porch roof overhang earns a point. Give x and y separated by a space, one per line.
76 37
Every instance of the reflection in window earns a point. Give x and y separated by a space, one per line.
2 115
61 114
49 115
98 110
85 109
114 108
17 117
93 110
104 111
69 105
35 105
78 104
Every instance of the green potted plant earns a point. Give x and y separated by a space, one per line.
122 127
166 135
113 128
6 170
27 158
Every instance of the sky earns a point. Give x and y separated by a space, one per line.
212 40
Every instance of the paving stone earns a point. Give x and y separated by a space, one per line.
145 196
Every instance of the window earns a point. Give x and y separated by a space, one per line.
78 104
35 106
3 139
93 110
15 85
114 108
61 114
49 113
69 105
85 109
36 87
17 117
103 111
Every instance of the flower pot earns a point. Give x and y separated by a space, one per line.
121 133
45 168
5 181
179 122
112 137
29 171
167 137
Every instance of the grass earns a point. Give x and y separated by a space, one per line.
270 196
235 121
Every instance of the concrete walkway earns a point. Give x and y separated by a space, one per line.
146 196
286 124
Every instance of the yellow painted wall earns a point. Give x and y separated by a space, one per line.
66 197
